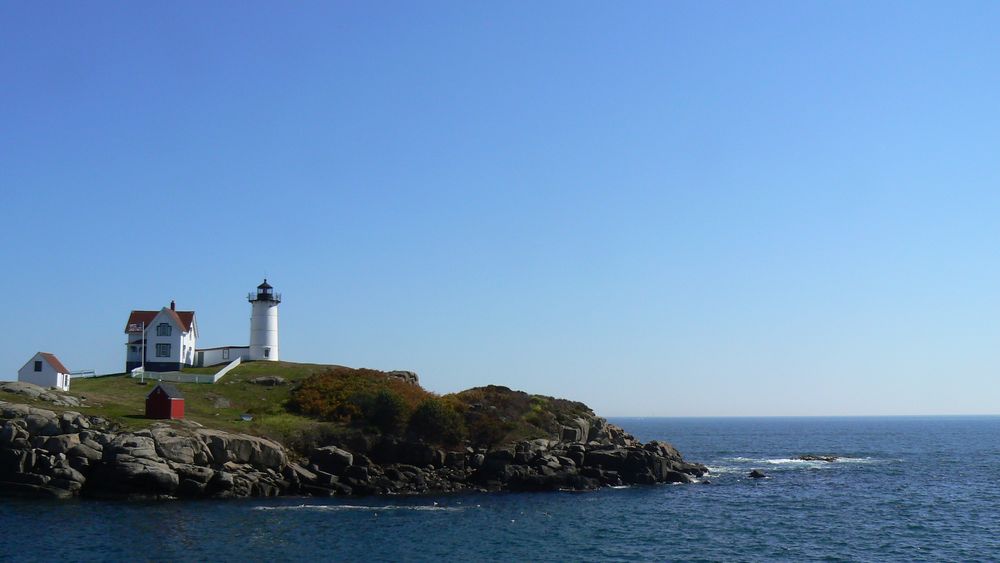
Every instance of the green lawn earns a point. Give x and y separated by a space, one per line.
122 399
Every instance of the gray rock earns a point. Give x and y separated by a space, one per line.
73 422
195 473
137 445
128 474
826 458
241 448
68 474
405 376
757 474
32 391
12 434
268 380
571 434
179 447
301 473
62 443
85 451
16 461
43 422
332 459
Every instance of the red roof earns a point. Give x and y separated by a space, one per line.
184 319
54 362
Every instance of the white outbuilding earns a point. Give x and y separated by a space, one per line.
46 370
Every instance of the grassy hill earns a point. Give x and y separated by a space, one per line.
122 399
318 401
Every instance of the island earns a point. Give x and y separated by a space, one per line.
283 428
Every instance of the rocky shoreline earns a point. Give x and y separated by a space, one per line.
65 455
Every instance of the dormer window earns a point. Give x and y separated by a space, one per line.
163 329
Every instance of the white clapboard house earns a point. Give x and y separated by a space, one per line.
46 370
161 340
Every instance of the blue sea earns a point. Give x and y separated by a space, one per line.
905 489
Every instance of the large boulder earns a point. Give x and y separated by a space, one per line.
241 448
43 422
126 474
180 447
62 443
131 445
14 434
405 376
332 459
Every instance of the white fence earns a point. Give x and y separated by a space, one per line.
178 377
83 373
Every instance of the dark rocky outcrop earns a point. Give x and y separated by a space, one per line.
61 455
45 454
757 474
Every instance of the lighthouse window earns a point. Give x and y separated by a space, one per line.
163 350
267 352
163 329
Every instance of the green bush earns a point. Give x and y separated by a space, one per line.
363 398
487 430
436 420
387 411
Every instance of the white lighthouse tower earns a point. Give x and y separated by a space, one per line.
264 323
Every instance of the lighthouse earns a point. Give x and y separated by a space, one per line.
264 323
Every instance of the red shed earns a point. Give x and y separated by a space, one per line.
165 401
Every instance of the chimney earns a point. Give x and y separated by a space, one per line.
173 306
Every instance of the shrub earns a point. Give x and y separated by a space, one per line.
388 411
487 430
360 397
435 420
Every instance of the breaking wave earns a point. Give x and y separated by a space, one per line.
363 508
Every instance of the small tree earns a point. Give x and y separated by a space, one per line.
437 421
387 411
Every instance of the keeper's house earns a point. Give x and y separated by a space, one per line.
46 370
164 338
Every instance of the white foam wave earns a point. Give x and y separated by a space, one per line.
722 470
348 507
742 464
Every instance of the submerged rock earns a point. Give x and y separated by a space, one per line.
826 458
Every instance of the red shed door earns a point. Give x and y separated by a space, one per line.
177 408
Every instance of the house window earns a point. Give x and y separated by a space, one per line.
163 350
38 365
135 349
163 329
225 353
267 352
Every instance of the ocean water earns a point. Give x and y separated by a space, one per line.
906 489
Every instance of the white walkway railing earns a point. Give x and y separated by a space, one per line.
179 377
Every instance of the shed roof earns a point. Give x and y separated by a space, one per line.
170 390
54 362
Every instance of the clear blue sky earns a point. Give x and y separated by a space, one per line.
662 208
